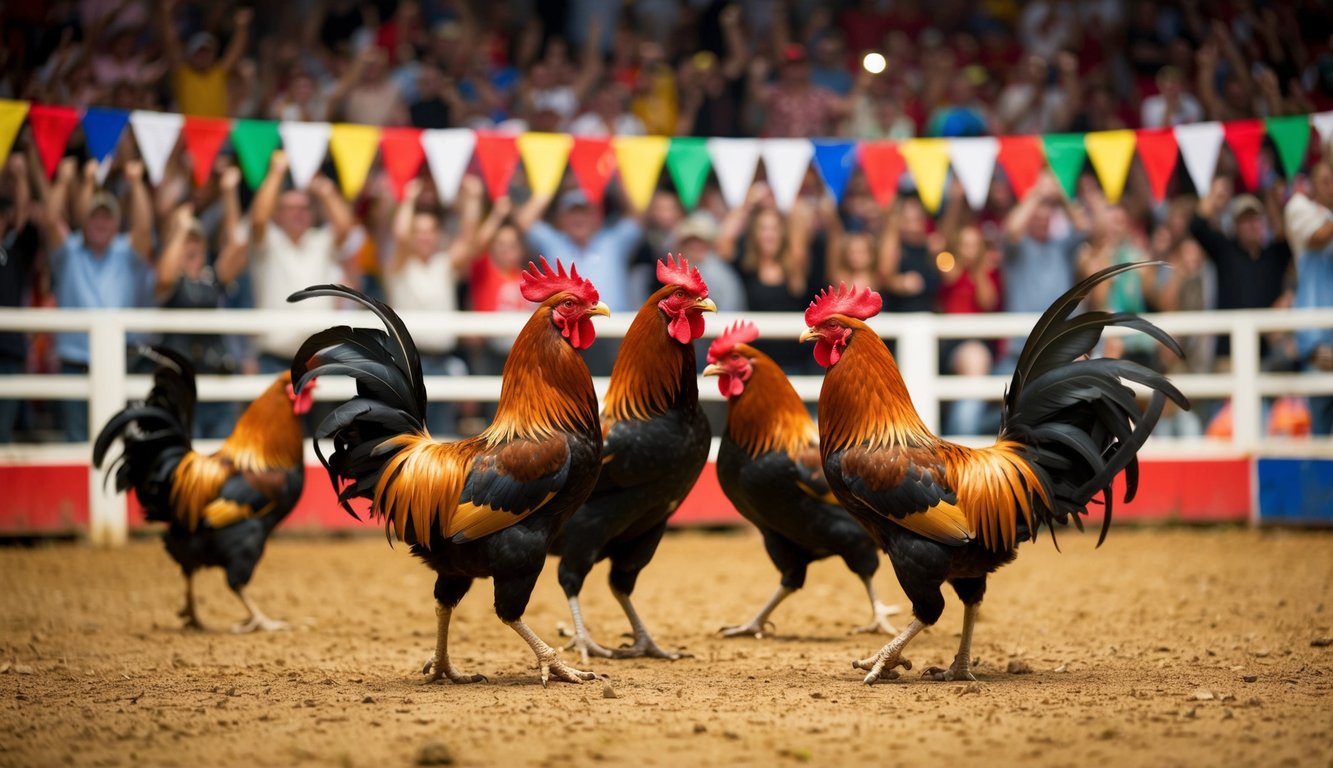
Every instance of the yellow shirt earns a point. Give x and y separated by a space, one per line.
201 92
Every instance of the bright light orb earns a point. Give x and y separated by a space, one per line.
874 63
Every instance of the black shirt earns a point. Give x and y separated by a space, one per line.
207 351
1243 282
430 113
18 251
915 258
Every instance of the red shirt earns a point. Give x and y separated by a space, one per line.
493 290
960 298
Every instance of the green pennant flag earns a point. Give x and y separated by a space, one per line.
255 142
687 162
1291 135
1066 153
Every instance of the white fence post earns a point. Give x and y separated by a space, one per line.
1246 406
108 524
918 360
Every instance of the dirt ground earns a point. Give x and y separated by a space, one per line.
1166 647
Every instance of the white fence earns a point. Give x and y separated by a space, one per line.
107 387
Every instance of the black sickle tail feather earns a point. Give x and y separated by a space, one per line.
155 433
1080 421
390 399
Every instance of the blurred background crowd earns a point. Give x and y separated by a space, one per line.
671 67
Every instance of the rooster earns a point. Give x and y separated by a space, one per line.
656 441
483 507
220 508
769 467
949 513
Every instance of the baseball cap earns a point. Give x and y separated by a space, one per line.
793 53
103 200
700 225
1244 204
574 198
199 41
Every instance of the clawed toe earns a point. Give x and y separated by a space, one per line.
259 624
558 670
756 631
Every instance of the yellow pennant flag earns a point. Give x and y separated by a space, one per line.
353 148
1110 153
640 159
544 157
11 119
928 162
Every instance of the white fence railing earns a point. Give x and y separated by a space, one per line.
107 387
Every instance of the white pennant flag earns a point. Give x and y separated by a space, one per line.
1323 123
306 145
448 151
734 162
1199 145
786 161
156 134
973 162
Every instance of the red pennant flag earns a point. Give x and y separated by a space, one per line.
403 156
203 139
593 163
1022 158
883 165
1157 151
51 128
497 154
1244 138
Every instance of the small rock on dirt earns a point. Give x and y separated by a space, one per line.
368 700
1061 669
23 669
1203 694
700 728
1018 667
608 692
434 753
970 688
1250 678
1321 642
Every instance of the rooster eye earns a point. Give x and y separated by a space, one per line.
568 304
680 294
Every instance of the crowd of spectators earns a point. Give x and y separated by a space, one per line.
676 67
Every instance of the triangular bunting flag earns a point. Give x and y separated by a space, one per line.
1291 136
51 128
1111 153
734 163
102 129
883 165
835 159
1244 137
1323 123
973 161
11 119
928 161
785 164
1199 145
353 150
497 154
255 142
1065 154
203 139
544 158
403 156
1021 157
593 163
687 162
448 152
1157 151
156 134
640 159
306 145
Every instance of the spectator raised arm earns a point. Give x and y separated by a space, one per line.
141 211
266 198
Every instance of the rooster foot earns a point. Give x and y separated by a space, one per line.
438 671
191 618
961 669
646 647
879 623
753 629
259 623
587 647
881 665
552 667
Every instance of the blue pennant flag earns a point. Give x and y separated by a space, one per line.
835 159
102 128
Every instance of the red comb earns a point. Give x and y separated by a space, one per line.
739 332
860 303
541 283
677 271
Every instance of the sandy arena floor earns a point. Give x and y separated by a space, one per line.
1167 647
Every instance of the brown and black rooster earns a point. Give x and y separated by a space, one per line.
769 467
219 508
487 506
949 513
656 441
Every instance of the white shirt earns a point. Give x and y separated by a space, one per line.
428 285
1303 217
1153 112
281 267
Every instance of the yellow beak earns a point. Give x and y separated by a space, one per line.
600 309
808 334
705 305
713 369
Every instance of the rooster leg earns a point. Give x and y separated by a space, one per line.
257 618
760 624
188 611
882 664
582 640
961 669
439 665
547 660
879 619
644 645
